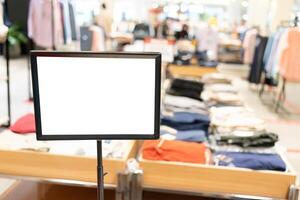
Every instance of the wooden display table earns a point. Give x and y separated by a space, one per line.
190 70
46 166
196 178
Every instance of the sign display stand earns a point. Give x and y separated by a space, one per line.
99 109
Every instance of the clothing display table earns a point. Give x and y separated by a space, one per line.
51 166
196 178
190 70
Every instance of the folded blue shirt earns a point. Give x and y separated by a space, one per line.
251 160
192 135
186 121
186 117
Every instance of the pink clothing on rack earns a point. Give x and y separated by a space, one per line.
289 58
98 41
40 23
249 46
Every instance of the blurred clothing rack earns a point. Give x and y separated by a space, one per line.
280 84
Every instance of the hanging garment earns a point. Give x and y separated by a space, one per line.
72 21
268 50
66 21
44 23
250 161
257 63
289 58
16 12
249 45
272 65
178 151
98 38
3 27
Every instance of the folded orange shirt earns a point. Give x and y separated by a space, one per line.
178 151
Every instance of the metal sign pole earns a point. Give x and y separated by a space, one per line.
100 175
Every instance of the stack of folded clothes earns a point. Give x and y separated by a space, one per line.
186 121
220 93
253 161
199 118
186 88
236 117
183 104
184 125
238 137
213 78
176 151
243 148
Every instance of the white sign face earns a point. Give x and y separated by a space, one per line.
95 97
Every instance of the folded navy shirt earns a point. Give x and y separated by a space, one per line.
186 121
250 161
186 117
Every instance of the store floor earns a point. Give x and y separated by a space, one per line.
29 190
287 126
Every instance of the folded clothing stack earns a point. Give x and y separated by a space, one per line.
235 117
216 78
262 139
188 135
221 98
204 60
186 88
221 87
177 151
250 160
183 58
239 139
184 104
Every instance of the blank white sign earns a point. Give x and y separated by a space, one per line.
96 96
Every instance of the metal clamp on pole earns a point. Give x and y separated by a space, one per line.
294 193
130 182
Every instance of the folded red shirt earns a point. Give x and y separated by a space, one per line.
178 151
25 124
